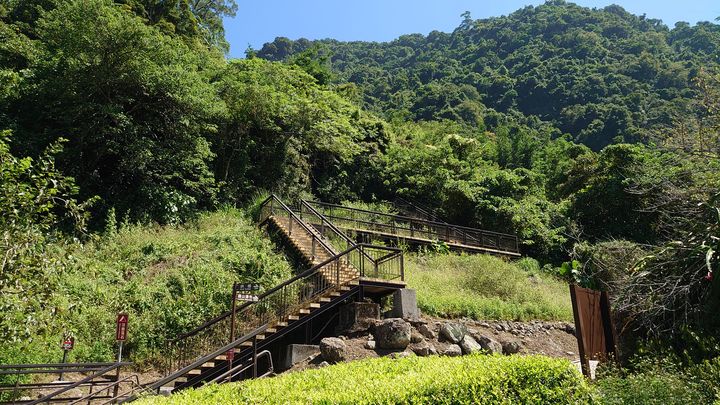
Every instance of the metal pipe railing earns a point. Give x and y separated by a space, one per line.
394 224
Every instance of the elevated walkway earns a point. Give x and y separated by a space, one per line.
416 230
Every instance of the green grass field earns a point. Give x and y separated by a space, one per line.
485 287
477 379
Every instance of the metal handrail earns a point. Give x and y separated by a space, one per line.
431 216
218 352
279 301
242 367
291 216
267 293
409 219
117 383
49 397
467 232
332 226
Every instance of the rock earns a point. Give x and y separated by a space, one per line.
426 331
416 337
393 333
510 347
452 351
421 349
485 325
569 328
433 350
400 355
370 345
324 364
453 332
469 345
489 345
333 349
570 353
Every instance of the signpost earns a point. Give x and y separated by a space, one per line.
68 344
240 292
121 326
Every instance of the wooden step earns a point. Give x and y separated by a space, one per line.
293 317
304 311
324 299
281 324
314 305
246 343
196 371
335 294
270 330
209 364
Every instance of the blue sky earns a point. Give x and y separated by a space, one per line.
258 22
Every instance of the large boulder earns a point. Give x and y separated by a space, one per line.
470 346
393 333
333 349
453 332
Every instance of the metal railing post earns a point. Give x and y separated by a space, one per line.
290 221
313 247
337 272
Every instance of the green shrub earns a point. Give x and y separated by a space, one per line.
660 380
485 287
437 380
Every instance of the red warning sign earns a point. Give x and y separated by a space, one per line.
68 343
121 328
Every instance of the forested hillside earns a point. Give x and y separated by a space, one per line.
602 75
126 134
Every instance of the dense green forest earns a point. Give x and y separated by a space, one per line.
603 76
593 134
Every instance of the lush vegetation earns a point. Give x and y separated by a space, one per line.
592 134
485 287
661 382
417 380
601 75
169 279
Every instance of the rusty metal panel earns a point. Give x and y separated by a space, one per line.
593 325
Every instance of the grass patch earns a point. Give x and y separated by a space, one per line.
485 287
437 380
168 278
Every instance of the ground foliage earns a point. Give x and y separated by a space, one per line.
416 380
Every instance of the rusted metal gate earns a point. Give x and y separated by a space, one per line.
594 327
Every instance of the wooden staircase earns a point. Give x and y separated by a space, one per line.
206 354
